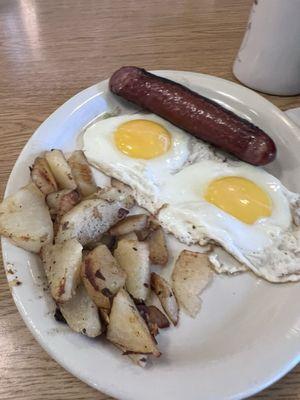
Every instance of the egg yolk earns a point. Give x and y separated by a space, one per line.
239 197
141 138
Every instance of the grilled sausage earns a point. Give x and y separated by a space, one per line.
201 117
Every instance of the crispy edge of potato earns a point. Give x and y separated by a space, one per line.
129 224
133 258
158 251
127 327
154 318
42 176
191 275
166 296
102 276
128 236
62 201
136 358
82 173
60 169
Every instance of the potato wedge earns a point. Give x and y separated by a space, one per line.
25 219
164 292
102 276
61 202
81 314
133 258
104 313
143 234
127 328
128 236
60 169
191 275
88 220
129 224
112 194
82 173
154 318
158 247
62 264
152 225
42 176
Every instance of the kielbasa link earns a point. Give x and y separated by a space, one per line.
194 113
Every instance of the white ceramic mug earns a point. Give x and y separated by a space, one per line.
269 56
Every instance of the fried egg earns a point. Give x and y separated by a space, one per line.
143 151
201 196
241 208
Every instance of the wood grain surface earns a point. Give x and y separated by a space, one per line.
52 49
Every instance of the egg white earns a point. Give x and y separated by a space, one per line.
259 246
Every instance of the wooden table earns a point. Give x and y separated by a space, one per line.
52 49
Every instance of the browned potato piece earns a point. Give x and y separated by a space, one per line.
191 275
127 328
102 276
42 176
142 234
61 202
158 247
88 220
60 169
152 225
82 173
129 224
166 296
104 315
154 318
25 219
62 264
81 314
133 258
128 236
112 194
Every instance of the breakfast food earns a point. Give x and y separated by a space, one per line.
102 276
194 113
25 219
109 252
158 250
202 197
191 275
82 173
165 293
98 261
119 147
245 210
128 329
81 314
42 176
133 258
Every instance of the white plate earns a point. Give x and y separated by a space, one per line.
247 334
